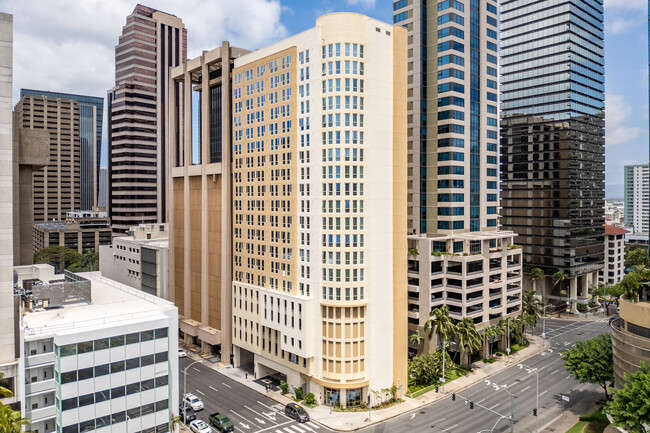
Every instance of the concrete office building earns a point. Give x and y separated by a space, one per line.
82 231
140 259
151 42
57 187
10 358
31 152
91 117
630 339
102 194
453 169
552 139
614 256
318 288
103 360
636 197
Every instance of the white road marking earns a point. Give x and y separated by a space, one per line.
200 392
525 388
225 384
412 416
194 368
262 415
543 393
244 425
554 371
260 421
245 419
495 405
481 401
273 426
212 388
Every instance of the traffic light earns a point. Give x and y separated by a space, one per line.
437 389
453 396
534 411
471 405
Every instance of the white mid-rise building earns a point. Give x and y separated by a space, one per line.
614 256
98 356
637 197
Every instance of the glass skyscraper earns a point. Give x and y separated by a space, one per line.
457 255
552 137
91 111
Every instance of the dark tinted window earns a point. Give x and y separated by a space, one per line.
118 417
133 413
117 366
132 388
102 395
162 381
87 426
162 405
71 429
69 403
147 409
85 347
101 370
68 377
132 363
147 384
117 341
162 357
68 349
101 344
85 373
103 421
146 360
118 391
87 399
146 335
161 333
133 338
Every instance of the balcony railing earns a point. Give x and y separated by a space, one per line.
41 359
39 387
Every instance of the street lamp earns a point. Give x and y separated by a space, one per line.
185 389
534 370
544 321
512 406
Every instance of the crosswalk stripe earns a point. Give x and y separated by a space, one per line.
297 428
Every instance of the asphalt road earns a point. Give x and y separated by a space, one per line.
250 411
456 416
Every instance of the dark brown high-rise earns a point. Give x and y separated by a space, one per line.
151 43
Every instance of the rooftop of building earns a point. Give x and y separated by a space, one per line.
48 94
110 302
611 230
483 235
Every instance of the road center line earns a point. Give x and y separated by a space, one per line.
194 368
212 388
554 371
543 393
525 388
200 392
225 384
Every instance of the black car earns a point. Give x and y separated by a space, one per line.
297 412
189 414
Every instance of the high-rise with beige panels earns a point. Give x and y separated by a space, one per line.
314 173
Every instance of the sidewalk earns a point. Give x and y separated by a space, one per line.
571 417
350 421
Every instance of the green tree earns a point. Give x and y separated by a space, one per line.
416 339
4 392
531 305
631 283
536 274
58 256
89 261
427 368
630 405
467 339
528 320
443 325
591 361
558 278
636 256
489 334
10 420
609 294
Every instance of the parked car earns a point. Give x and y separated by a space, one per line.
181 353
221 422
199 426
297 412
194 402
187 415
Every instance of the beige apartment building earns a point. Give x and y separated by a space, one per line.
317 239
56 186
82 231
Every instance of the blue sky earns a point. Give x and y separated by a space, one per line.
68 46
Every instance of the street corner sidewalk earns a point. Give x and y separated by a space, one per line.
351 421
571 417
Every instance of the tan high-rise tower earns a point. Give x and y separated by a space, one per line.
151 43
303 245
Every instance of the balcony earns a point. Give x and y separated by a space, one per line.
414 314
512 264
471 311
513 275
41 359
43 413
512 300
513 287
39 387
414 289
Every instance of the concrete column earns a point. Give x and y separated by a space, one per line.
187 145
205 137
226 206
172 125
573 292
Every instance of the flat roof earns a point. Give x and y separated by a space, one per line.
111 303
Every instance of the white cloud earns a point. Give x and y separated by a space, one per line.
68 45
617 112
619 5
367 4
618 25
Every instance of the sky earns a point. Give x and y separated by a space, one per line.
68 46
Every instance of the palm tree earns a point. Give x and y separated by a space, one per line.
531 305
443 325
468 339
416 339
10 420
559 277
536 274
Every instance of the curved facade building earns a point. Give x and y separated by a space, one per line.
630 339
